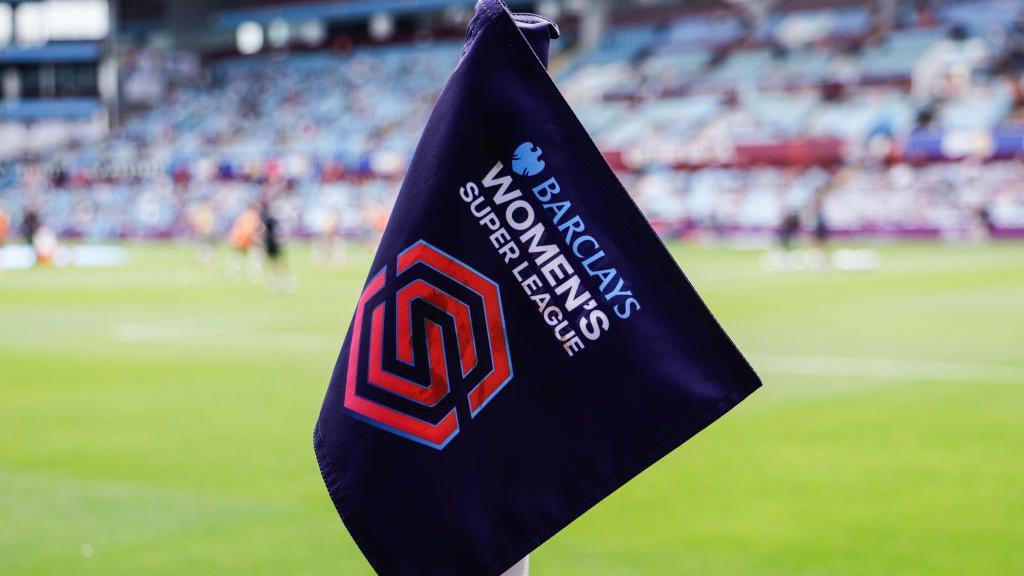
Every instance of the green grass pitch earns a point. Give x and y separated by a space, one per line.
155 419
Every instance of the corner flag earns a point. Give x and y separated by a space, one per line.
524 344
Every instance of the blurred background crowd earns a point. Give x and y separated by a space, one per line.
159 119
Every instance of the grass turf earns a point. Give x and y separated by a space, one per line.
155 419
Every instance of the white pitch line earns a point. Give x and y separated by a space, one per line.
217 337
889 368
178 334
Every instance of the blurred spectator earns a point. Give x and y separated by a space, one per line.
947 68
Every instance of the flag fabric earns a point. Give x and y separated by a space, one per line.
524 344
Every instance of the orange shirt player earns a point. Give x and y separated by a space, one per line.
5 227
243 232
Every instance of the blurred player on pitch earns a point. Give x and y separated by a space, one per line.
243 236
5 227
5 230
331 250
30 223
281 278
203 226
43 240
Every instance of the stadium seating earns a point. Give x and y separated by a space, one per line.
711 121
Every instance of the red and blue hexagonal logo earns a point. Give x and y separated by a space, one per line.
429 347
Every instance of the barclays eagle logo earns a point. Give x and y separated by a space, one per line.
526 160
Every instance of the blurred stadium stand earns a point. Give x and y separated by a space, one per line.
719 117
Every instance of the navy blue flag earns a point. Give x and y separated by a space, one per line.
524 345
